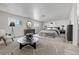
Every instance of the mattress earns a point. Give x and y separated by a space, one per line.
49 33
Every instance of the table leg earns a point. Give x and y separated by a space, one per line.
20 47
34 45
12 39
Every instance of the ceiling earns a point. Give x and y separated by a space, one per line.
39 11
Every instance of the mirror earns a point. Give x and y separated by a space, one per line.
29 24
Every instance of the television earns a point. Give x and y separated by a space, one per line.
26 31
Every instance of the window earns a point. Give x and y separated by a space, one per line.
17 22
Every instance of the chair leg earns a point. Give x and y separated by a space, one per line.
4 41
12 39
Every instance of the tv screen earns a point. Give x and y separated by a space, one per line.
29 31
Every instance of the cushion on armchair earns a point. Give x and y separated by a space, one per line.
2 32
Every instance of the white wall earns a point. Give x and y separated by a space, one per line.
37 29
74 22
19 30
78 20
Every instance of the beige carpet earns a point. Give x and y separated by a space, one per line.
45 46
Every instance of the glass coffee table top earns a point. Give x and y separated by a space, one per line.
23 40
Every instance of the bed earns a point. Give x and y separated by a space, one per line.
50 33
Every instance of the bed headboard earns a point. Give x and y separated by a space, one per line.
58 28
49 28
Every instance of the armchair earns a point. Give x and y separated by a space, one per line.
4 36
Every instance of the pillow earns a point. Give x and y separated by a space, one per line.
48 28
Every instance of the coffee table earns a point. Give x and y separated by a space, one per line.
22 42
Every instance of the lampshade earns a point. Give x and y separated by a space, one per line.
12 24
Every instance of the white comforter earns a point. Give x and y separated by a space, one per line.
49 33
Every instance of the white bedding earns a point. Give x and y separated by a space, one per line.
49 33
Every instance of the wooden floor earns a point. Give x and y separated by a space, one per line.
45 46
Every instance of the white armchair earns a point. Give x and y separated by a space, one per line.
4 36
